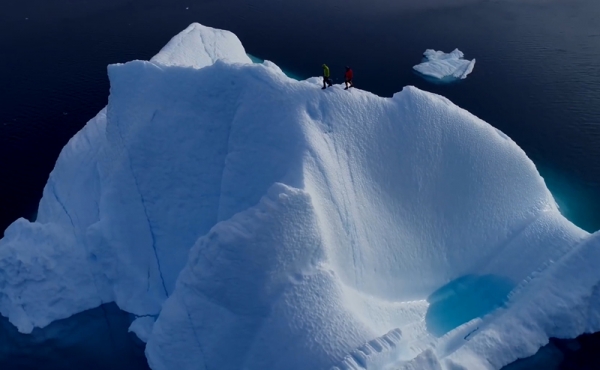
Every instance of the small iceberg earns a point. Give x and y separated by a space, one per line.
446 67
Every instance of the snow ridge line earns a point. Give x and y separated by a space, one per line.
547 268
524 225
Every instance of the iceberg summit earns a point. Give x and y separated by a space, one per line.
251 221
445 67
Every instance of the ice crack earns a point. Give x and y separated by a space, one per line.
143 202
62 206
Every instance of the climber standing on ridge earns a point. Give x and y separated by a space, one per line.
348 78
326 77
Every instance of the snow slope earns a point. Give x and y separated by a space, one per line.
447 67
253 221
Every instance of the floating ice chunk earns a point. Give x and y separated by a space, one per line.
446 67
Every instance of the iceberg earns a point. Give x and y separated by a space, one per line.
445 67
251 221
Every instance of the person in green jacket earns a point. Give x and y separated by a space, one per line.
326 77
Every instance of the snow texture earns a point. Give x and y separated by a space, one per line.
446 67
268 224
142 327
200 46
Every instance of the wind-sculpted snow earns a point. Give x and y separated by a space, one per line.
267 224
445 67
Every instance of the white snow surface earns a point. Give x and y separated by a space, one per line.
442 66
269 224
199 46
142 327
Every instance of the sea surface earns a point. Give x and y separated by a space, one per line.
537 76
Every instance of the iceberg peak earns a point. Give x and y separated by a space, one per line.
200 46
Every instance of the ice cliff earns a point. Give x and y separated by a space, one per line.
251 221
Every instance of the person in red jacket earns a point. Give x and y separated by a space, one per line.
348 78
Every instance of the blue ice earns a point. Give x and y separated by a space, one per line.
257 60
464 299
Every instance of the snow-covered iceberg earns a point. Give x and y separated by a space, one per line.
252 221
445 67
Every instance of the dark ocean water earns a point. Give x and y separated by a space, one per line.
537 76
95 339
